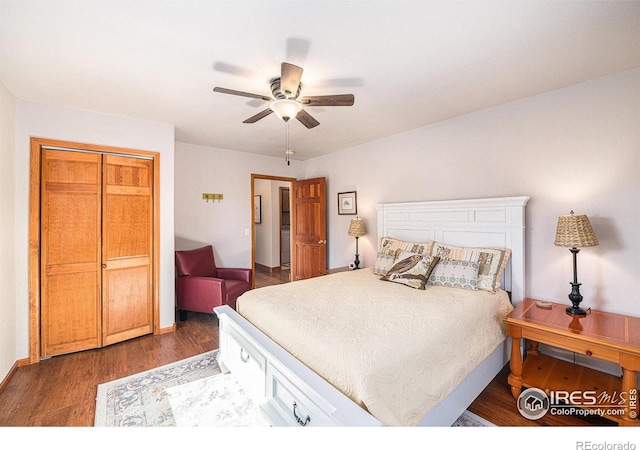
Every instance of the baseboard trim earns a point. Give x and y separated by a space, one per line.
18 363
268 269
170 329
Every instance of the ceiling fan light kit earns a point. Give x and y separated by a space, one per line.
285 108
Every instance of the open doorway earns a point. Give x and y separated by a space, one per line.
271 238
285 228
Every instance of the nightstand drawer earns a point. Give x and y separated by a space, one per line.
571 344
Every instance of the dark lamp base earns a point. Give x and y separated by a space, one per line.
575 296
576 311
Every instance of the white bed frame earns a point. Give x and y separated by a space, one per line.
291 394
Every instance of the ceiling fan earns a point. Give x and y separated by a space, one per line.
286 101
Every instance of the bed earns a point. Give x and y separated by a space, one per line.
350 349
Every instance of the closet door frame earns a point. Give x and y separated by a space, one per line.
34 230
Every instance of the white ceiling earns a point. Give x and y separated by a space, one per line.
408 63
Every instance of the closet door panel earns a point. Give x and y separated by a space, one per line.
70 252
126 293
70 320
127 240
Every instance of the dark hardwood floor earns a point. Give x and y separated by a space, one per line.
61 391
267 277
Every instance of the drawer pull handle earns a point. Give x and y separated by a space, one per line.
589 353
300 421
242 357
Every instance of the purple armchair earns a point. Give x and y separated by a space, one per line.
201 286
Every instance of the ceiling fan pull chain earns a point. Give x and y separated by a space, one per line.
287 151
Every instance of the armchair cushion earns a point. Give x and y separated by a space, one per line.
199 294
235 289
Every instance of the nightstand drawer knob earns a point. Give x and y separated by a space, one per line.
589 352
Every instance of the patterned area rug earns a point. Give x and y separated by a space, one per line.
214 401
469 419
189 393
177 394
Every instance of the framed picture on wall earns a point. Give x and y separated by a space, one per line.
347 203
257 209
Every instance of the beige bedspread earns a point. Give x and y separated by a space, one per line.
395 350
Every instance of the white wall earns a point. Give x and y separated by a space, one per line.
574 148
8 338
53 122
223 224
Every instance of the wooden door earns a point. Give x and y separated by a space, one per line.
127 301
309 229
70 251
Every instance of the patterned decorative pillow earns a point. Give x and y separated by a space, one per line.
413 271
492 260
389 244
384 262
457 274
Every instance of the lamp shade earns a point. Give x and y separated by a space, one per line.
574 230
285 109
356 228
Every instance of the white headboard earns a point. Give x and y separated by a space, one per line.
492 222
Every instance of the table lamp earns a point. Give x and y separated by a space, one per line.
574 231
356 228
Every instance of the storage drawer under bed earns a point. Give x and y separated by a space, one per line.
245 362
287 405
288 392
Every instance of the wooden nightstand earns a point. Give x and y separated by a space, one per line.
339 269
607 336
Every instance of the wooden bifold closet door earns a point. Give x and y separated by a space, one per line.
96 250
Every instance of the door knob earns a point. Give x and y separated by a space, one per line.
322 242
104 266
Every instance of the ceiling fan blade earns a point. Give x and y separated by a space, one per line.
234 70
328 100
306 119
242 94
290 79
260 115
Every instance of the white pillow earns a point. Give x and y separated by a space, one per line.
457 274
